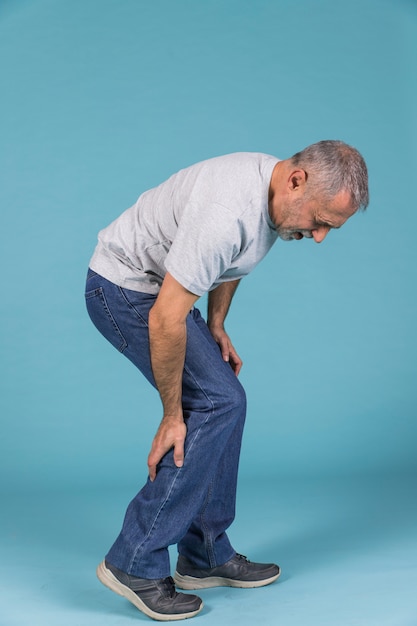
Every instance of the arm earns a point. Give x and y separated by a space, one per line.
219 301
167 337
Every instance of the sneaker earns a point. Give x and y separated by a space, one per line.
156 598
238 572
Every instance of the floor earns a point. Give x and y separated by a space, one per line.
347 547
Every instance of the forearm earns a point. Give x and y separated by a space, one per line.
218 306
167 341
219 301
167 348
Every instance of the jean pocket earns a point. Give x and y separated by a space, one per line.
103 319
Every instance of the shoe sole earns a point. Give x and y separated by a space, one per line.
106 577
190 582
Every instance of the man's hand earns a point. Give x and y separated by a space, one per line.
228 351
171 434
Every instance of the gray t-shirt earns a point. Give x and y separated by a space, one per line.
207 224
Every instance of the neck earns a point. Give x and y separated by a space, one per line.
277 187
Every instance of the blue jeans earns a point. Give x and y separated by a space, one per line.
190 506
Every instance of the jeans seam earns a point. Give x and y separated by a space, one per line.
99 292
152 527
133 308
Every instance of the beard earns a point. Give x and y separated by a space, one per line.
286 234
290 234
291 215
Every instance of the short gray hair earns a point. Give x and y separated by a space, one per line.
334 166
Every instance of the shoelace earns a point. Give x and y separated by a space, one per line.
168 586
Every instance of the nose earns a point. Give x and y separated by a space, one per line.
320 233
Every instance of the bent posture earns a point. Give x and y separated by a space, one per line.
202 230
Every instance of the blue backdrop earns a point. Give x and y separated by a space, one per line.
103 99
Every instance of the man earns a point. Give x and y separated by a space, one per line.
201 231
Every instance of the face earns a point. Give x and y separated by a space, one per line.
302 217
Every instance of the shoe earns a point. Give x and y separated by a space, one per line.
156 598
238 572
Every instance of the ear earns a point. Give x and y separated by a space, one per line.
297 180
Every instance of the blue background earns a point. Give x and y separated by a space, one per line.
104 99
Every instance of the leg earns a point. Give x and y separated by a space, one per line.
206 544
214 410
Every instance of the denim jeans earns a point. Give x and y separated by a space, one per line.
191 506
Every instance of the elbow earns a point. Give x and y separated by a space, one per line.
161 320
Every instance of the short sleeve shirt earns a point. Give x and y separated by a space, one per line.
207 224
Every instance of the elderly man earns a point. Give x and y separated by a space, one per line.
201 231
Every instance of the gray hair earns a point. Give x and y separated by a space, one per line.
333 166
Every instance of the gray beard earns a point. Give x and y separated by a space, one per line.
287 234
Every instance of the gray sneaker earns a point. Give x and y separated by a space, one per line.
156 598
238 572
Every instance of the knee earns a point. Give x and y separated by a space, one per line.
216 393
234 397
